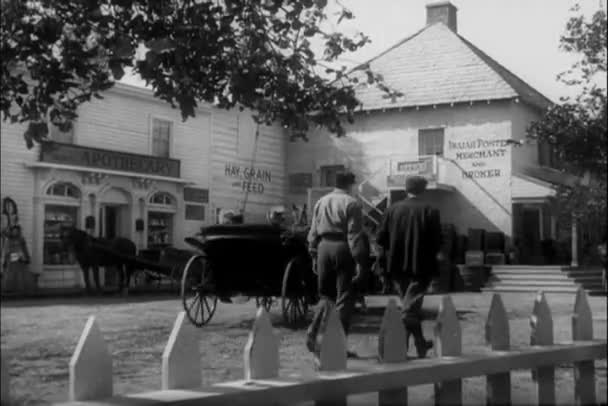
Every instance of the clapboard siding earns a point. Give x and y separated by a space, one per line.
121 122
234 143
16 180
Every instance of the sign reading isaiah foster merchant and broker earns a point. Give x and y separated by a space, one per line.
77 155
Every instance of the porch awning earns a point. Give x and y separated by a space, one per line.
538 182
549 175
526 188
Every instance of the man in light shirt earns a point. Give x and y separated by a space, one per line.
333 241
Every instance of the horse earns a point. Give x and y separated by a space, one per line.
91 252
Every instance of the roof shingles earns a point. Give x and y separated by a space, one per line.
437 66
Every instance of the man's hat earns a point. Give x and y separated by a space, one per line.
415 184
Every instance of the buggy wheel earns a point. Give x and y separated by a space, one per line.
266 301
293 294
198 303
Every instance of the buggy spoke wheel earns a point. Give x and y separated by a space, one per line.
198 303
293 304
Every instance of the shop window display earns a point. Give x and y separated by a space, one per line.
160 220
56 217
159 229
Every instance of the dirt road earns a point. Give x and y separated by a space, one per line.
38 337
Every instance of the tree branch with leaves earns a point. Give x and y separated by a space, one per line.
251 54
576 128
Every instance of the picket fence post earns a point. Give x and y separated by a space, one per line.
498 386
448 342
541 324
5 392
181 360
332 351
90 367
584 371
261 355
392 348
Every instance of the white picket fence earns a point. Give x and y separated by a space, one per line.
90 368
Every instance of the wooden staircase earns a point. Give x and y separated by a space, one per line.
550 279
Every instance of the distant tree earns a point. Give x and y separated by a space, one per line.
257 54
576 127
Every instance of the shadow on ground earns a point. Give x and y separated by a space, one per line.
369 323
362 323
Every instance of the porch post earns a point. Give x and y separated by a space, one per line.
574 235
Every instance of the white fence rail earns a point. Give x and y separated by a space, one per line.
90 368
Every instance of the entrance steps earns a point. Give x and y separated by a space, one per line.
550 279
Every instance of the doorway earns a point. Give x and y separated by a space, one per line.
113 221
528 233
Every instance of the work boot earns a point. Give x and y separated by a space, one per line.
422 345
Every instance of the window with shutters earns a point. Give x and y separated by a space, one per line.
430 142
161 137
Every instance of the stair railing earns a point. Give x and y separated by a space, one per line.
367 200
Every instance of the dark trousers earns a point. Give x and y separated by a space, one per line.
412 291
335 268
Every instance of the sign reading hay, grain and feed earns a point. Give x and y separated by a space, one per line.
250 179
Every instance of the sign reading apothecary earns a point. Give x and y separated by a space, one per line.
68 154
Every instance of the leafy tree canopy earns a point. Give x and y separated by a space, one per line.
576 128
257 54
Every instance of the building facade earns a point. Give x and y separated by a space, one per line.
132 168
462 124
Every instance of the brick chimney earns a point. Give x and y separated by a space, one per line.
442 11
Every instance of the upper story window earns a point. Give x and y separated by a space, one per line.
161 137
430 142
328 174
63 189
55 134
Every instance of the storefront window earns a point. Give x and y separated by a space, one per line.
160 220
57 216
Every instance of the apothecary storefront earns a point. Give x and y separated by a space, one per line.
109 194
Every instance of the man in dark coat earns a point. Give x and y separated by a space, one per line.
410 239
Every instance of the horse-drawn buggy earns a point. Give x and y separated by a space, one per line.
262 261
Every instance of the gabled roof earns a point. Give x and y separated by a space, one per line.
438 66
